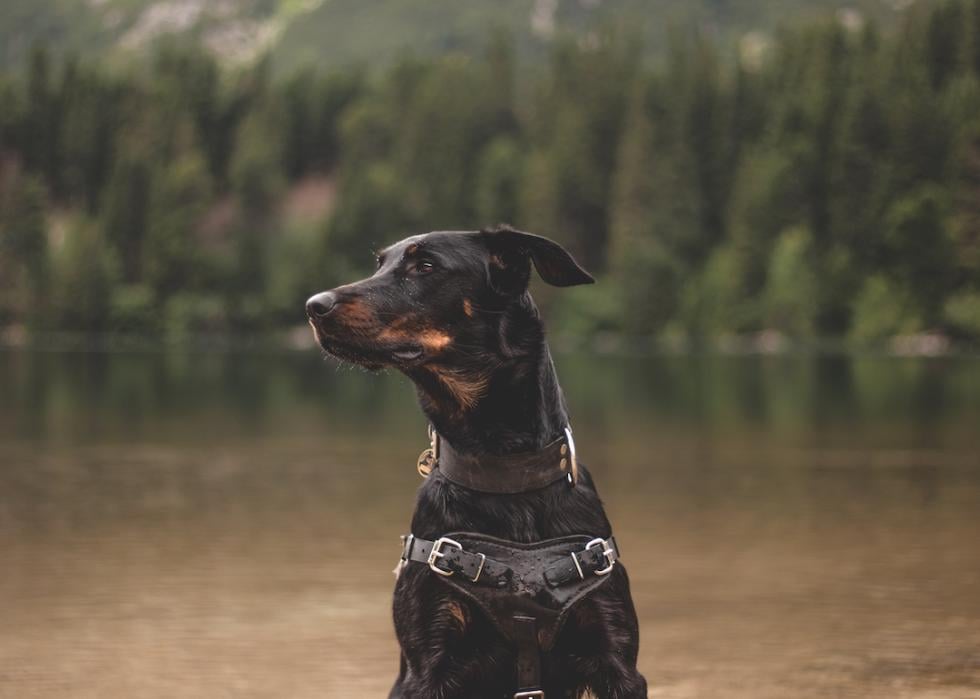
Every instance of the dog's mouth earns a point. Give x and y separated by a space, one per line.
370 356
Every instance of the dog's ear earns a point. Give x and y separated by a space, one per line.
512 251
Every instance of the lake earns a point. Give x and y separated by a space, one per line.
224 524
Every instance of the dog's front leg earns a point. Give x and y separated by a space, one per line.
396 691
602 633
449 649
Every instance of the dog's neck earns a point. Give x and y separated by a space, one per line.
507 402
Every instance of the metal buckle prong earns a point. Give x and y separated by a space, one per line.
607 550
436 553
483 560
533 694
578 566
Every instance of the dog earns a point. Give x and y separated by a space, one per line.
452 311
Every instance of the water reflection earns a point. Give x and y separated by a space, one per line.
201 525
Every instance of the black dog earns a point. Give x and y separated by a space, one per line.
452 311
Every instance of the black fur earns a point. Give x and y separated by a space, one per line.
451 310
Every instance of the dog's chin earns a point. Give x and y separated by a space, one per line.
373 358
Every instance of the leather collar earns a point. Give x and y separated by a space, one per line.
502 474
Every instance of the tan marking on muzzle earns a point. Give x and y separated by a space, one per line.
434 339
356 310
431 339
468 308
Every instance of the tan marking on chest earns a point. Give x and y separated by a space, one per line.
466 390
457 612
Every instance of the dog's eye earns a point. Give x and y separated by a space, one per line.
380 261
424 267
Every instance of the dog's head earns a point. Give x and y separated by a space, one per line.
438 299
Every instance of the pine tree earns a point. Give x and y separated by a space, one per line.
24 269
86 276
944 36
966 208
178 196
40 126
125 212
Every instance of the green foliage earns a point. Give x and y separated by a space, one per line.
85 273
712 304
499 176
178 198
256 175
133 311
125 211
187 315
374 205
586 311
883 310
962 312
791 293
293 270
825 184
23 249
919 248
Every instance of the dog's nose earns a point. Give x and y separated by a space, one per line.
320 305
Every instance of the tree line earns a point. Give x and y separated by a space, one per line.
824 183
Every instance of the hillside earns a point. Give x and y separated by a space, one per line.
342 32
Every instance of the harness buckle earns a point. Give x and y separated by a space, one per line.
436 553
533 694
607 550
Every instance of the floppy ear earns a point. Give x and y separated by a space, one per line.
511 249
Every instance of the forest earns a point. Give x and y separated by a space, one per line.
821 184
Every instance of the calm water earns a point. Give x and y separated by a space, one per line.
224 525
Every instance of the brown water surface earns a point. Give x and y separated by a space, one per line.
224 525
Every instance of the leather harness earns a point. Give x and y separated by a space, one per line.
526 590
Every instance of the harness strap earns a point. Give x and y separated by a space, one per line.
448 557
528 658
598 558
